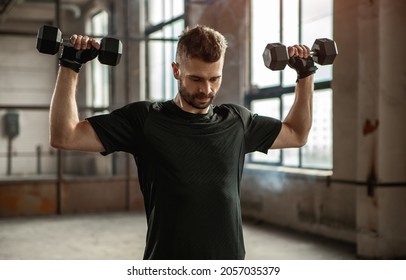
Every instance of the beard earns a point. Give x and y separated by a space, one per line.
198 100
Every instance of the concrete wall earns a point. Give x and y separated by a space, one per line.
27 197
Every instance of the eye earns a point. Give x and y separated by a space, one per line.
214 79
194 78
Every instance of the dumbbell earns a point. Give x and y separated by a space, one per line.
323 52
49 41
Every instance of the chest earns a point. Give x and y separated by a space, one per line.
171 139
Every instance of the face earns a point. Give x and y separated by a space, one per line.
198 83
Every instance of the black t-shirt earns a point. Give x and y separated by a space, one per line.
189 168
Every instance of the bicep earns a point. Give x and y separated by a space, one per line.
85 138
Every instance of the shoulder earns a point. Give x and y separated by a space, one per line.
238 110
135 109
135 106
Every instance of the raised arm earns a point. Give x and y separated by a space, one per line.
67 131
296 126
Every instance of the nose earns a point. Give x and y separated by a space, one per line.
205 87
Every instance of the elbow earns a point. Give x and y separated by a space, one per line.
60 136
302 139
304 136
57 141
302 142
297 142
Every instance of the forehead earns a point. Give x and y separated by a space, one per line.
197 67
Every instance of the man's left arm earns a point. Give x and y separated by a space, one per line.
296 126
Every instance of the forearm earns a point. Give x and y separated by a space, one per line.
299 118
63 111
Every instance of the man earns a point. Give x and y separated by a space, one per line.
189 153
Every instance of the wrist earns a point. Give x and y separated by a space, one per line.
305 78
306 84
67 63
67 73
304 67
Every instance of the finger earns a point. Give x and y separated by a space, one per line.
73 39
291 51
84 44
78 42
307 51
299 50
94 43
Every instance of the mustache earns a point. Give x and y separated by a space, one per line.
204 95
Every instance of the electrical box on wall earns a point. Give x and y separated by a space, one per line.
11 124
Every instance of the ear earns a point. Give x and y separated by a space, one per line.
176 70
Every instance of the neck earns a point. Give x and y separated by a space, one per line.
188 108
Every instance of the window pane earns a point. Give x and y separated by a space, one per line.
271 108
317 19
318 23
156 68
162 50
267 107
162 85
164 10
290 22
155 11
178 7
317 153
99 92
290 157
265 29
100 87
290 35
99 24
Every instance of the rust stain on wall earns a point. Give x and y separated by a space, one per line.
9 203
369 127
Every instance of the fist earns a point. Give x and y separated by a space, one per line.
83 42
301 51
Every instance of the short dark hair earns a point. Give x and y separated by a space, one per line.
201 42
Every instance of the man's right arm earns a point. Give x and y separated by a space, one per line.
67 131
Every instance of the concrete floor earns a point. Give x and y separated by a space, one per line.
122 236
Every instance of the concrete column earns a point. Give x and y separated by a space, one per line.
369 116
234 25
129 77
367 123
345 90
380 228
392 134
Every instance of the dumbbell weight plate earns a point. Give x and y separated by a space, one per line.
275 56
110 51
325 51
49 39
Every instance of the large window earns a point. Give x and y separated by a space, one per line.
99 89
165 23
291 22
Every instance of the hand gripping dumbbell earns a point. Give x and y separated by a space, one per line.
323 52
49 41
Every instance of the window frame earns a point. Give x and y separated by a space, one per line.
151 38
95 67
257 93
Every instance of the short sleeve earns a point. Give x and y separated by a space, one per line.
260 131
122 129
